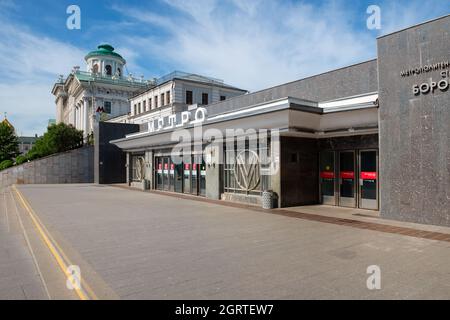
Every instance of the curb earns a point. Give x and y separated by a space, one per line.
83 291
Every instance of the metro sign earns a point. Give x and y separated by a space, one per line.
185 119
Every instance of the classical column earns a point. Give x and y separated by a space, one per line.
75 117
80 116
79 113
86 128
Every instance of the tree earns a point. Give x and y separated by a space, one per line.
9 144
58 138
21 159
6 164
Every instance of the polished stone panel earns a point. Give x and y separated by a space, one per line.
414 129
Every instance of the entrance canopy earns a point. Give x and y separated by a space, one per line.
291 116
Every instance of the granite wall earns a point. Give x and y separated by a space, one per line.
110 160
415 127
75 166
299 171
344 82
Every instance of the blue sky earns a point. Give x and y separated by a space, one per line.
251 44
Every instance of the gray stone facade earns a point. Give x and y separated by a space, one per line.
348 81
299 172
110 161
414 128
75 166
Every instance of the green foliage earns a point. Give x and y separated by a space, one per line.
9 145
58 138
6 164
21 159
90 139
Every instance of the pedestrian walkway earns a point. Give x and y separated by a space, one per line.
27 271
151 246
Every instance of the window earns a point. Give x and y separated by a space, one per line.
162 99
244 162
119 72
108 70
107 107
204 98
189 97
95 68
223 98
168 97
150 103
139 108
144 105
156 101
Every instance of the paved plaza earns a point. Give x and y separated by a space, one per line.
27 269
137 245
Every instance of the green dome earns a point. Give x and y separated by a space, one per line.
104 50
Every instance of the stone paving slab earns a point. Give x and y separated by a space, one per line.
151 246
27 270
19 278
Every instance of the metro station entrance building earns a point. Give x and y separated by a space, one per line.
374 135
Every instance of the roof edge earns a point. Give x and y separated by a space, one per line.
414 26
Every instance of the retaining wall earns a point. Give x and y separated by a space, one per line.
75 166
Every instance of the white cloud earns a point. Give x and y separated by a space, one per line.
25 55
260 43
253 44
29 106
399 15
30 65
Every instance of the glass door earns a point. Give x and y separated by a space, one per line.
202 179
166 173
171 175
194 178
368 179
159 178
178 177
327 178
187 177
347 196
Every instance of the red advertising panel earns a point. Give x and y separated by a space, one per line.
172 166
187 166
368 175
159 166
347 175
327 175
166 166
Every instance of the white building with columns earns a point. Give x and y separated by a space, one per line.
99 93
176 92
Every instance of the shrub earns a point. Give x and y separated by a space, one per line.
31 155
21 159
6 164
58 138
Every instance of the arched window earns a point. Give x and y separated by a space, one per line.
108 70
95 68
119 72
